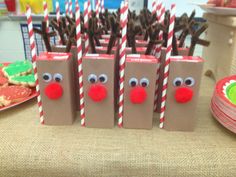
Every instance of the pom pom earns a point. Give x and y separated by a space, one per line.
97 92
183 95
138 95
53 91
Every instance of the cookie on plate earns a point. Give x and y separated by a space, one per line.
13 94
17 68
27 80
3 81
4 101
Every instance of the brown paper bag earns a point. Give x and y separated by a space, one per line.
99 81
182 93
57 88
140 78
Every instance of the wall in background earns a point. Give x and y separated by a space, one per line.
11 46
183 6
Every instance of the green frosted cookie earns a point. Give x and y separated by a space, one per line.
27 80
18 68
1 65
231 93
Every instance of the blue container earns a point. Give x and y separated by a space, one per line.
109 4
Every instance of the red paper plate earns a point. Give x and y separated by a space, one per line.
33 95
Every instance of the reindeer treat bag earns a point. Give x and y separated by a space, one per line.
140 77
182 93
57 88
99 75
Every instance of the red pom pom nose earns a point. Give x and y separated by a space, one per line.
53 91
138 95
97 92
183 95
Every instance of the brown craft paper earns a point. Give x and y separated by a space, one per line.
181 116
62 49
139 116
99 114
63 110
182 52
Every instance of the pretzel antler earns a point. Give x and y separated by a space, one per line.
196 39
188 27
45 35
115 33
153 32
132 31
59 29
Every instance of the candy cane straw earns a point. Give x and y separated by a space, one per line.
89 9
46 19
80 68
58 19
70 9
160 18
122 57
86 38
167 64
33 55
154 6
67 8
103 7
97 8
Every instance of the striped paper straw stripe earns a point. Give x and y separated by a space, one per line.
33 55
67 8
80 68
70 9
167 64
153 6
122 58
86 38
160 18
89 9
46 18
102 6
58 20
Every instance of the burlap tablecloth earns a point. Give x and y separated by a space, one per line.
28 149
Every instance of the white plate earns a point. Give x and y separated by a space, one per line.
217 10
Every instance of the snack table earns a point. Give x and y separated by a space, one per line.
30 149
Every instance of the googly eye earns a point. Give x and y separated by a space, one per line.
92 78
57 77
47 77
178 81
133 82
103 78
144 82
189 81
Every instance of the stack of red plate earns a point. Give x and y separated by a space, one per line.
223 103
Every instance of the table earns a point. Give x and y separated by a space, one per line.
28 149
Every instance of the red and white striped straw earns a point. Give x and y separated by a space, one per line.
167 64
80 68
86 37
122 58
102 6
67 8
46 18
58 19
33 55
97 8
70 9
89 9
154 7
160 18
